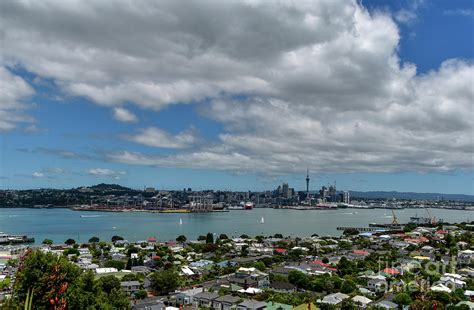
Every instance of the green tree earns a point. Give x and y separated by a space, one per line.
181 239
141 294
260 266
223 237
348 286
48 276
402 299
70 241
108 283
130 277
209 238
115 264
165 281
116 238
94 239
47 241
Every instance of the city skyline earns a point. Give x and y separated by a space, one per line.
376 95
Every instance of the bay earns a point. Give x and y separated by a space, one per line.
61 224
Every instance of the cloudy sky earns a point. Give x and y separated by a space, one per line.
377 95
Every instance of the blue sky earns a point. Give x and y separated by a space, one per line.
383 105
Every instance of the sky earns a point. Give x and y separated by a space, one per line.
238 95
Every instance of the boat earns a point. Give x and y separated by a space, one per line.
96 215
180 221
262 221
248 206
235 207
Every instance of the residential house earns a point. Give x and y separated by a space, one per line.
386 304
361 301
465 257
334 299
250 304
130 287
250 277
205 299
187 297
282 287
377 283
226 302
278 306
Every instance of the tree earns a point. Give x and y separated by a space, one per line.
47 241
201 238
47 275
223 237
165 281
260 266
70 242
94 239
115 264
402 299
108 283
181 239
141 294
298 278
116 238
130 277
56 283
348 286
350 232
209 238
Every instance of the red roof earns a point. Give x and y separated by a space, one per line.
155 257
320 263
391 271
442 232
360 252
280 250
152 239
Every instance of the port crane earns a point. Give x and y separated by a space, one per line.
395 219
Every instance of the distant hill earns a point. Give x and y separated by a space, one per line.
109 187
411 195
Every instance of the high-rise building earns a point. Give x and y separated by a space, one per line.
346 197
285 190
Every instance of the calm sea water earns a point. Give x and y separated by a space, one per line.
61 224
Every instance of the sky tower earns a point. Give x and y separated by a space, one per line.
307 184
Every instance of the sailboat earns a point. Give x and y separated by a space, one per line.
262 221
180 221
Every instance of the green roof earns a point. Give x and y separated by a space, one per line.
277 306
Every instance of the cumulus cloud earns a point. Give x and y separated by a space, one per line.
14 90
103 172
38 174
319 83
156 137
124 115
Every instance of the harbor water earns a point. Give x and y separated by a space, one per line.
61 224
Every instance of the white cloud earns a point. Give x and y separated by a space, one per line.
460 12
38 174
156 137
13 90
322 81
124 115
405 16
103 172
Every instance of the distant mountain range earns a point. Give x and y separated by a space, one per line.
411 195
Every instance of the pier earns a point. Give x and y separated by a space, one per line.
359 228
